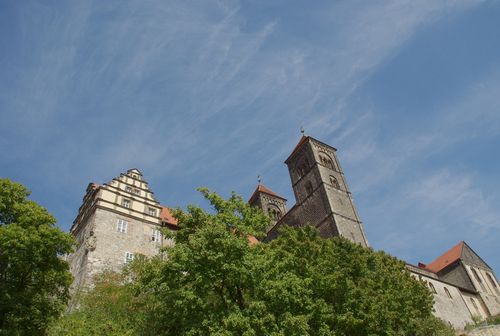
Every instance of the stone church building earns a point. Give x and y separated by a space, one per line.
122 218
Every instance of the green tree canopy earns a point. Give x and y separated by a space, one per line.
214 282
34 280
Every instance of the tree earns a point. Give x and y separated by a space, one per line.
34 279
213 281
110 308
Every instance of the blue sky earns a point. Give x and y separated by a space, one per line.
213 93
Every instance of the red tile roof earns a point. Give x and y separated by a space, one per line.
448 258
263 189
252 240
166 216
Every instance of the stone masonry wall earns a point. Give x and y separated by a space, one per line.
111 245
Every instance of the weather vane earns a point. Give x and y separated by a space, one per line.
302 130
259 179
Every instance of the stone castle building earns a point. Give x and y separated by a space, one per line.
121 219
116 221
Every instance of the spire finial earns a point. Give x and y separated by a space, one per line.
302 130
259 179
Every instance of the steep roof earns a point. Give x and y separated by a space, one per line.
166 216
447 258
263 189
302 140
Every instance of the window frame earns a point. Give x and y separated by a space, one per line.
326 160
274 212
448 293
474 304
129 257
334 182
121 225
152 211
156 235
126 203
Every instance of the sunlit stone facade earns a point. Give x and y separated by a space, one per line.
116 221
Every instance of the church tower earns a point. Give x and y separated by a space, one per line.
323 199
271 203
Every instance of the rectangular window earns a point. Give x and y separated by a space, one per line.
137 191
121 226
128 189
152 211
129 257
156 235
126 203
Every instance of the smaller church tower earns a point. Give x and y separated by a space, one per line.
270 202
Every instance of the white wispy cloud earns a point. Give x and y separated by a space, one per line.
445 192
198 91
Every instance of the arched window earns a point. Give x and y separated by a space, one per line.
473 303
334 182
476 275
448 293
478 278
326 161
303 167
493 283
274 213
433 289
491 280
309 188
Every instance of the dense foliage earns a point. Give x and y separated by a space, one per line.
215 283
34 280
111 308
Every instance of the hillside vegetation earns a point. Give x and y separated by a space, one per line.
214 282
